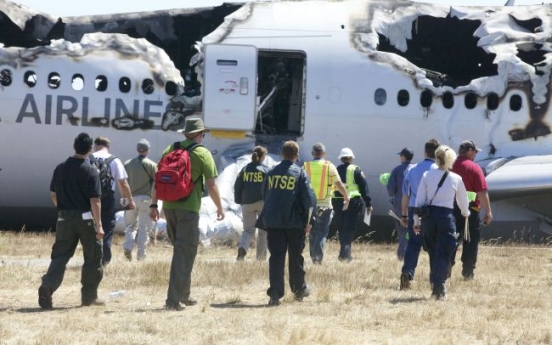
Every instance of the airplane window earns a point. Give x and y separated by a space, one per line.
426 98
124 84
170 88
492 101
403 98
515 102
77 82
380 97
6 77
147 86
101 83
30 78
470 101
54 80
448 100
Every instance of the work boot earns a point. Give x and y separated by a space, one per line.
274 299
93 303
405 281
467 274
173 306
189 301
241 254
299 295
439 292
128 254
45 297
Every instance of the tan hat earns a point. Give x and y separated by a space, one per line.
143 145
193 125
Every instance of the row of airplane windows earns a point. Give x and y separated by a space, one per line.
426 99
77 82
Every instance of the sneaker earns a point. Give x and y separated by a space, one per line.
241 254
45 297
128 254
189 302
299 295
316 262
94 303
405 281
174 306
274 299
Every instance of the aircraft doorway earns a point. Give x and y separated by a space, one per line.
280 93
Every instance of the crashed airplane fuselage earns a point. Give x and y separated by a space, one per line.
374 76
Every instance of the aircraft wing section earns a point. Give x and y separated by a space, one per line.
519 177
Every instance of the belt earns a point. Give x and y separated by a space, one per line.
67 213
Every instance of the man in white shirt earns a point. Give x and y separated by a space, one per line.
101 151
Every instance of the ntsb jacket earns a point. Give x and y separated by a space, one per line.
249 183
287 198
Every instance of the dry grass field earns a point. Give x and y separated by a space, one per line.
509 302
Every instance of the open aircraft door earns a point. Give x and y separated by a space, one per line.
230 87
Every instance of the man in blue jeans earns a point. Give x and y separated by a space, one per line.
324 177
410 188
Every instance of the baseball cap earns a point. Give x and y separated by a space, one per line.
469 144
143 145
407 152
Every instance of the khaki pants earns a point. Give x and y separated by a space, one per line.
250 212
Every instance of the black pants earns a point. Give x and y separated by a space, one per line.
281 241
348 222
70 229
471 248
108 224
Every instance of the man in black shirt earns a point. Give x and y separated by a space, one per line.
75 191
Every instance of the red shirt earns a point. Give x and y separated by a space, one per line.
472 176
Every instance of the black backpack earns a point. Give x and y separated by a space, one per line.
106 177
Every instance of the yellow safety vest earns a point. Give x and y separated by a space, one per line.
350 185
319 175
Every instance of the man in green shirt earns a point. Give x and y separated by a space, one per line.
183 216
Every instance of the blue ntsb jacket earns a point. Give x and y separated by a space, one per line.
287 198
249 183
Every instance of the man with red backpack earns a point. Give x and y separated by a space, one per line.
182 208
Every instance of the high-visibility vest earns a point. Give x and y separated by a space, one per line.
350 185
319 175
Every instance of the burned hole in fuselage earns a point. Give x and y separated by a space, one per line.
447 49
531 54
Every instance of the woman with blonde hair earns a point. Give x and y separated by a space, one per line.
437 192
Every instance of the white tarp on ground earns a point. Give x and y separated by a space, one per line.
227 231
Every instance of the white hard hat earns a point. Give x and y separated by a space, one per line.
346 152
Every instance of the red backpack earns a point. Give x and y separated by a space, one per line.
173 180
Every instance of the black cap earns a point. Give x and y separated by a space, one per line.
469 144
407 153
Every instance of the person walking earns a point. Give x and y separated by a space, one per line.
324 177
141 173
474 180
118 174
439 189
394 189
349 218
248 193
288 205
75 191
410 189
183 215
